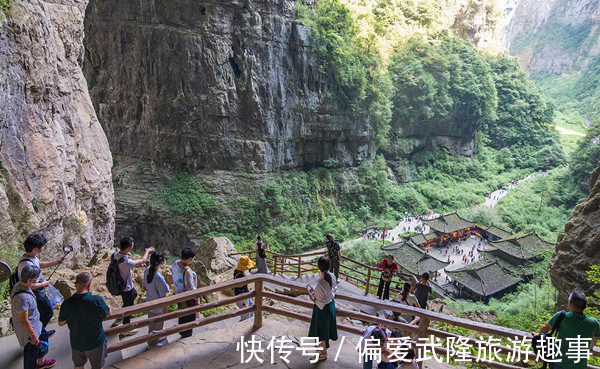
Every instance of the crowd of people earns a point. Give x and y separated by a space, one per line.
84 312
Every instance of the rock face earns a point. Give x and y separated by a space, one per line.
551 36
213 253
218 84
578 247
55 159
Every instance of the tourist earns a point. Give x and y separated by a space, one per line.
129 293
574 325
422 289
374 332
26 320
323 323
185 279
261 256
156 287
334 255
388 269
409 361
34 245
386 354
243 264
407 297
83 312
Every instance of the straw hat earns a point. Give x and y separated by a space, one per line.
245 263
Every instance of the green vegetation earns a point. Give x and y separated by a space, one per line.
432 81
366 251
523 118
353 75
9 254
441 81
5 6
542 205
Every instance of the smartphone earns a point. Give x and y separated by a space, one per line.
310 289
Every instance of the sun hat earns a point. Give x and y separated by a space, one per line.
245 263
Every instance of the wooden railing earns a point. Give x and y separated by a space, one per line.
422 330
352 271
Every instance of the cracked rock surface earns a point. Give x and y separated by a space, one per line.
55 162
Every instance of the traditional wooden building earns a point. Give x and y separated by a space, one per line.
491 233
412 259
483 280
450 227
518 253
424 240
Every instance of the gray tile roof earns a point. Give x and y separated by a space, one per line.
416 261
484 277
524 247
498 232
448 223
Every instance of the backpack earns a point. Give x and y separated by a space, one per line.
114 281
12 323
14 277
536 340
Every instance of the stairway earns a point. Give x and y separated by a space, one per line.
343 286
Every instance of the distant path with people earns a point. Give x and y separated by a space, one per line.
494 197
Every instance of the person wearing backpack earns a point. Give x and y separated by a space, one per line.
34 246
185 279
422 290
125 265
26 320
574 327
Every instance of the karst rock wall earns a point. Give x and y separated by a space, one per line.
551 36
55 160
578 247
221 84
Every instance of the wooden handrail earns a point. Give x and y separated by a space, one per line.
422 330
176 314
170 300
178 328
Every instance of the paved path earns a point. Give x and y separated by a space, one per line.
566 131
11 353
494 197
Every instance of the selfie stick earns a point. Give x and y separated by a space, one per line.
67 250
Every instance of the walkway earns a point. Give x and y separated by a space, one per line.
343 286
219 349
60 348
495 196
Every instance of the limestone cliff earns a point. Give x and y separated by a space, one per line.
578 247
551 36
55 159
218 84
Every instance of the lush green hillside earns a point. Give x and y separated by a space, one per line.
432 80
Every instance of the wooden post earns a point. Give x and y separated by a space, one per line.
258 318
299 261
275 265
422 332
368 281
